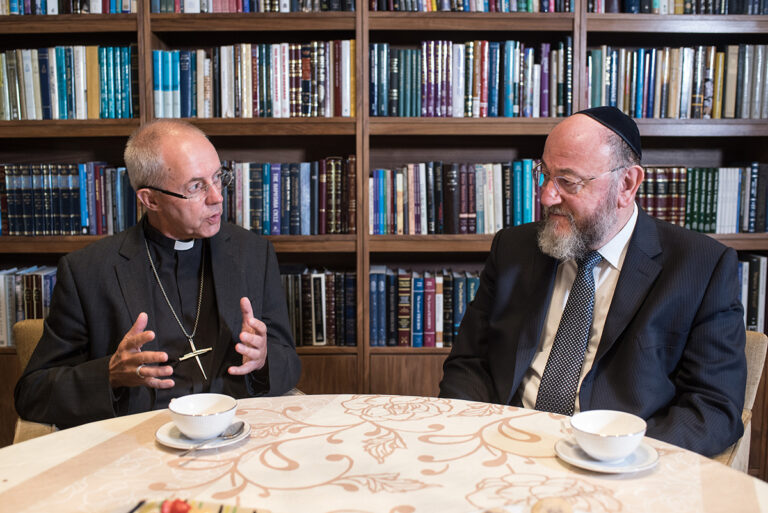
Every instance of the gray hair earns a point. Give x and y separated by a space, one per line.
143 152
623 155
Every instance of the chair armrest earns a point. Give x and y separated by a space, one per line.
737 455
27 430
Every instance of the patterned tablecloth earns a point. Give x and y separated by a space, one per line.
357 454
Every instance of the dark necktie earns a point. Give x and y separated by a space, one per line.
557 390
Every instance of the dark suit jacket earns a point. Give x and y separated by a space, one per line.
100 290
672 349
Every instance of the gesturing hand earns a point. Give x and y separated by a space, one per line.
253 338
128 367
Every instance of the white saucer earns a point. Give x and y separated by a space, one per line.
643 458
170 436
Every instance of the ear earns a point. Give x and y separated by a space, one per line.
628 185
147 198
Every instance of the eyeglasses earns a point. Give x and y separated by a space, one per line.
565 184
198 189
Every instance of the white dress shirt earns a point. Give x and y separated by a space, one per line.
606 276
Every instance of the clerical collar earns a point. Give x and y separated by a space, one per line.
161 240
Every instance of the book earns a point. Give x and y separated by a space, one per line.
417 310
404 281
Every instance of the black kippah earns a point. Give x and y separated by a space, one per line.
619 123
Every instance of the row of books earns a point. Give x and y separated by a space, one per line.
298 198
709 200
472 5
89 198
247 80
214 6
753 276
688 82
418 309
322 306
69 82
53 7
678 6
24 294
435 197
473 79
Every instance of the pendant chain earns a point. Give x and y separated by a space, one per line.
199 296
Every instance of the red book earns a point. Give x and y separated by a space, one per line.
336 63
322 178
255 74
429 310
483 79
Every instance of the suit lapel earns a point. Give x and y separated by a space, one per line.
638 273
228 286
133 279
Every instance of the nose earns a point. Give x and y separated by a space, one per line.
549 195
213 195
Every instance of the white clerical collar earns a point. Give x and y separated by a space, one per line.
183 245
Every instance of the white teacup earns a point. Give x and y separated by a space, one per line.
608 435
202 416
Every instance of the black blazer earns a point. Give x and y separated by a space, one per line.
99 292
672 349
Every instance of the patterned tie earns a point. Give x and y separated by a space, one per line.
557 390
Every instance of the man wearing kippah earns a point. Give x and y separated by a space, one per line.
599 306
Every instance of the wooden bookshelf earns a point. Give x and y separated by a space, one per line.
375 141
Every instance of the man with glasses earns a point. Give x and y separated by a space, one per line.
600 306
180 303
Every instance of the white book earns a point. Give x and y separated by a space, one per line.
227 81
620 77
246 187
158 61
78 74
458 80
758 85
746 83
660 59
94 6
285 6
764 100
276 80
176 84
686 82
29 88
536 90
5 100
423 197
208 88
744 266
191 6
328 103
490 211
285 80
200 83
370 202
248 74
479 193
554 70
498 198
36 84
346 79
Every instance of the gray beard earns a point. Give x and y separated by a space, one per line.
584 236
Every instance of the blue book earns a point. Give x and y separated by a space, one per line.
509 100
193 72
82 175
473 283
373 86
13 7
639 83
157 89
305 198
266 184
61 79
103 99
275 182
381 210
117 78
383 79
185 84
417 310
314 171
154 6
285 199
517 192
381 323
119 200
493 79
45 87
165 84
376 304
527 190
175 91
650 96
127 91
459 300
110 55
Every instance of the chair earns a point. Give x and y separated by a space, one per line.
737 455
26 335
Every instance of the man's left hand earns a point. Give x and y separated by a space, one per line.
253 342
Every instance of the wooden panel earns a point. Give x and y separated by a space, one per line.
692 24
69 127
10 372
67 23
480 21
329 374
252 22
758 450
406 375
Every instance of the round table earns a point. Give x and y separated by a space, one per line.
355 454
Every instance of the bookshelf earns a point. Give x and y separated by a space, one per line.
377 142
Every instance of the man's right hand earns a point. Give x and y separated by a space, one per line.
130 367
